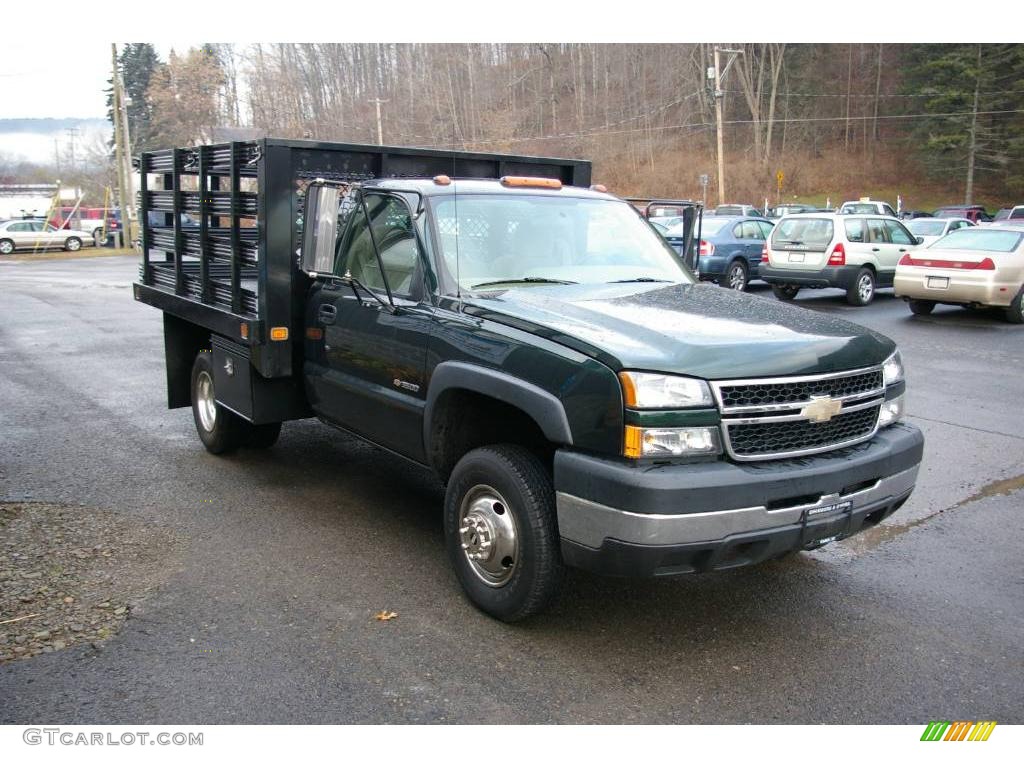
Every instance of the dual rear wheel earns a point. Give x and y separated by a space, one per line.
221 430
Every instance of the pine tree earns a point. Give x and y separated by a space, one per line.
137 62
972 89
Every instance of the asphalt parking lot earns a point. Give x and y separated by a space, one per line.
264 611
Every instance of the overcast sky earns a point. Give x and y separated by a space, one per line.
67 83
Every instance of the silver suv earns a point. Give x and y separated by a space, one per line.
829 250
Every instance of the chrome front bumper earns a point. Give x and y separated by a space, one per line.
589 523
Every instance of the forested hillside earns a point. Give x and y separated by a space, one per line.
935 123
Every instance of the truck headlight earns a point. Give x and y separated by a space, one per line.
644 443
892 369
890 412
659 390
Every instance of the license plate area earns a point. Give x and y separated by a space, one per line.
796 258
839 508
938 282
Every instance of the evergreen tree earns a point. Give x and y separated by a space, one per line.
973 89
137 62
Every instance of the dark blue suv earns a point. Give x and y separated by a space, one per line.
729 250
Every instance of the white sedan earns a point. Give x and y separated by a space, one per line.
36 235
978 267
930 230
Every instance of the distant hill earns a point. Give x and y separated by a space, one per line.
50 124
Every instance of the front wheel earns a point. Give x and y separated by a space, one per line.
862 289
6 247
501 531
72 244
921 306
736 276
785 292
1015 312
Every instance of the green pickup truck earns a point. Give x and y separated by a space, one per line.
532 339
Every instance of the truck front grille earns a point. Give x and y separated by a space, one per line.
753 440
765 418
789 391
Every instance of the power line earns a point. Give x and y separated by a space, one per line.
881 117
881 95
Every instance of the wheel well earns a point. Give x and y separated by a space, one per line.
463 420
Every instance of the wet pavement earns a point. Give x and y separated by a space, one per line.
267 612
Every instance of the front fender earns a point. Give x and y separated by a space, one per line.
543 407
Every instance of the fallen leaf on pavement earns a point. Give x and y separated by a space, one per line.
386 616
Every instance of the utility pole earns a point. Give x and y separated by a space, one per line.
719 74
380 126
72 135
972 149
122 142
122 186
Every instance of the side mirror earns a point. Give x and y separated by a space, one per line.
320 228
919 239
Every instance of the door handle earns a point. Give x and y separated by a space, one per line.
903 250
876 249
328 314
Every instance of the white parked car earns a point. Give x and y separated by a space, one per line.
34 234
867 205
980 267
930 230
833 250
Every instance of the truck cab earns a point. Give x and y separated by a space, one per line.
583 398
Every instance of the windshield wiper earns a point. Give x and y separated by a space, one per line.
792 242
641 280
514 280
355 284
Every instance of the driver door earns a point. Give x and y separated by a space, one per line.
367 374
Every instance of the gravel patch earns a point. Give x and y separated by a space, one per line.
73 574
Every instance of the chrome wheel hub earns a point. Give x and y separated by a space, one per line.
205 404
736 278
865 288
488 536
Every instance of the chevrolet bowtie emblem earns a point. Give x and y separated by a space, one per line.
821 409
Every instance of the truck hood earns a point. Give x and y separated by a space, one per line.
697 330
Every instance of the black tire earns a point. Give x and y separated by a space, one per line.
6 247
504 480
262 436
862 289
921 306
785 292
736 276
220 430
1015 312
73 244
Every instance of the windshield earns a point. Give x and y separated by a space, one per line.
859 208
978 239
926 227
802 234
709 227
536 239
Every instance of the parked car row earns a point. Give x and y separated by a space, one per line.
36 234
927 260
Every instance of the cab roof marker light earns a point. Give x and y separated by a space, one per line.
531 181
442 180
